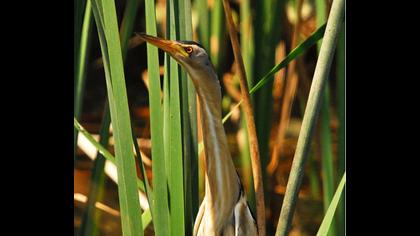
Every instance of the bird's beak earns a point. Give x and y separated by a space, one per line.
169 46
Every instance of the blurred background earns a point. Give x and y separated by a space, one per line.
268 31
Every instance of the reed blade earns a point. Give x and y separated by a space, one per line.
83 33
341 113
188 120
106 21
174 149
160 181
329 215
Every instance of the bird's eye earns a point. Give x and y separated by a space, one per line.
189 50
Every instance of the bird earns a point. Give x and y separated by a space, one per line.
224 209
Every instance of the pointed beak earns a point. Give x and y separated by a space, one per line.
169 46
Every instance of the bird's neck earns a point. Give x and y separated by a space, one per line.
221 178
215 141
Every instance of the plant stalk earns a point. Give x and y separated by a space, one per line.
322 70
252 133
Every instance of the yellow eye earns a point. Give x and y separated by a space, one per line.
189 50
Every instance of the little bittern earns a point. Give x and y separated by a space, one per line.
224 210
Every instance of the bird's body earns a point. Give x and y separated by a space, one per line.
224 210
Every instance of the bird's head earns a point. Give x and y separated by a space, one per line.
190 55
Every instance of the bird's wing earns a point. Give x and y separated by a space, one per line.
244 221
199 217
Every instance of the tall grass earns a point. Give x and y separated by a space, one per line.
291 85
267 31
247 48
204 23
161 207
180 143
249 110
341 113
327 170
217 33
106 22
90 220
147 215
320 77
109 157
329 215
83 32
188 121
173 127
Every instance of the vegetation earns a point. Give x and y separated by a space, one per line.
137 110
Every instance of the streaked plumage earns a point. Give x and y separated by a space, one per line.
224 210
